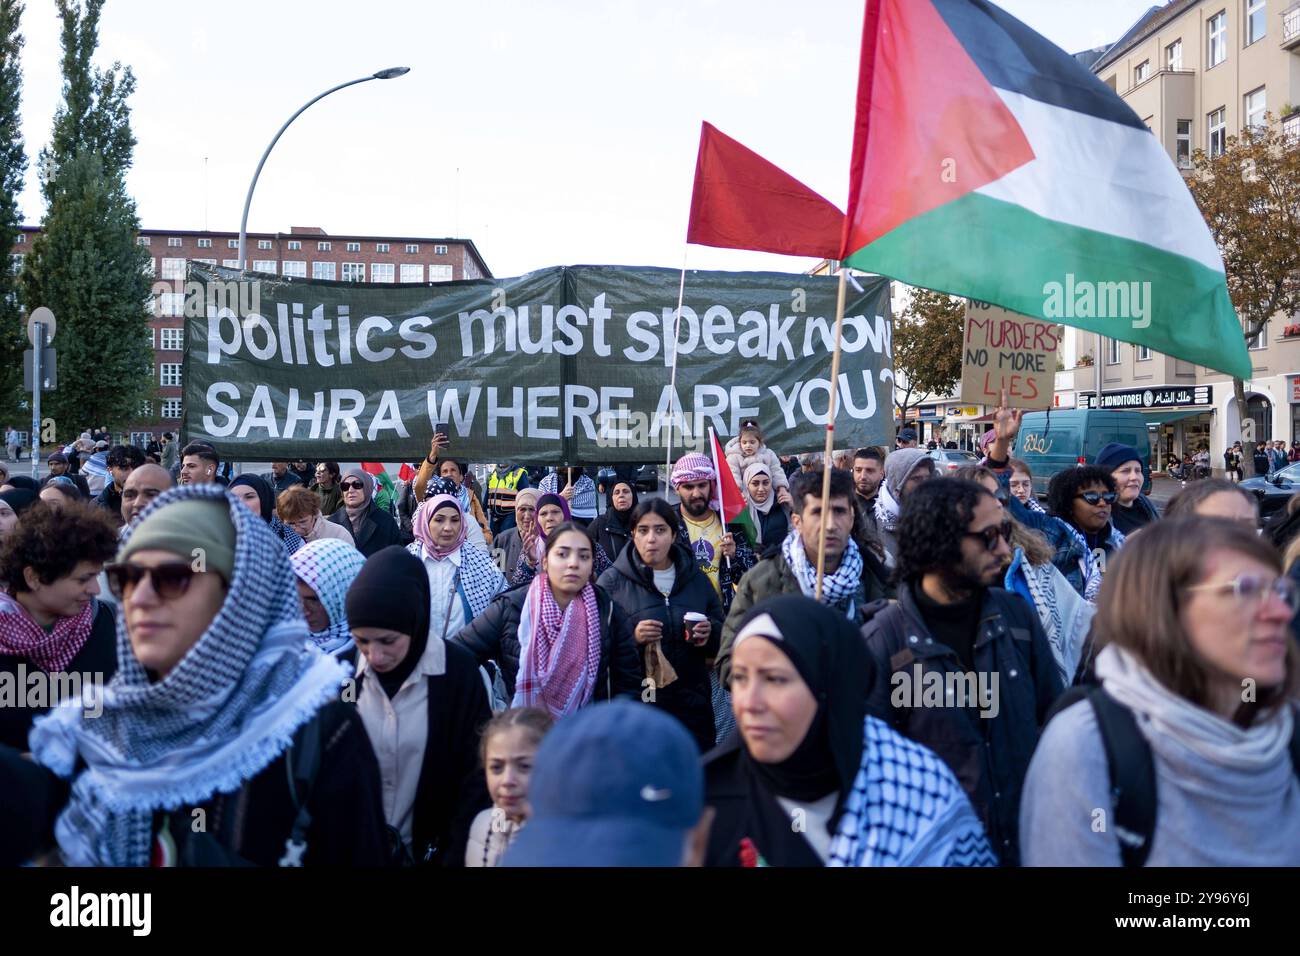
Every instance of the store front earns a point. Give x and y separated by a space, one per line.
1179 418
963 424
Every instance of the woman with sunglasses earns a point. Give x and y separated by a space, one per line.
216 713
1084 497
372 528
255 493
961 665
1200 687
50 619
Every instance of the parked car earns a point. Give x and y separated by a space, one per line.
1273 492
1051 441
646 477
948 460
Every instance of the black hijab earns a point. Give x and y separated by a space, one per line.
24 481
621 518
19 499
392 592
264 493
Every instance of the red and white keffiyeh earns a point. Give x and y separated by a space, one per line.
562 651
20 636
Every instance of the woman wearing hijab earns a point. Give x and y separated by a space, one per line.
446 486
811 780
324 570
12 504
613 529
560 642
258 498
423 703
217 712
50 620
462 580
656 583
372 528
552 511
507 544
773 507
25 482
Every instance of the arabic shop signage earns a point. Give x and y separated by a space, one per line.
1160 397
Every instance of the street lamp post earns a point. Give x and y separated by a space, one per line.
388 74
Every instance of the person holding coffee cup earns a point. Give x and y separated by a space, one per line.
675 615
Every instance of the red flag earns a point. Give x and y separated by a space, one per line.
372 468
731 503
741 201
406 472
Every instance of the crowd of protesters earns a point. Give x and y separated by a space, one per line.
552 670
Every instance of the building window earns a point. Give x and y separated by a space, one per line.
230 263
440 274
412 247
173 340
169 374
1216 132
171 303
354 247
295 245
264 243
1112 351
1255 21
22 238
142 241
1174 55
381 247
205 243
1255 107
1141 72
146 409
354 272
207 262
232 243
1143 353
1183 145
173 242
322 247
295 268
322 270
1260 341
264 265
173 269
381 272
16 263
412 273
439 250
1216 32
172 408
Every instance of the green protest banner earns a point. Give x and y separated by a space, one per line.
564 364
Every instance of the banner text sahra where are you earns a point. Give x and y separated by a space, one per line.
559 360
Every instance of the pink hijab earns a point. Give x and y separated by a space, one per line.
420 526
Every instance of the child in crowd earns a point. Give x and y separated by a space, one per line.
747 449
508 745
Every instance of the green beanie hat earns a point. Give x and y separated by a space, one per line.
186 527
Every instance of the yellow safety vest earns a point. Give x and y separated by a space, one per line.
502 490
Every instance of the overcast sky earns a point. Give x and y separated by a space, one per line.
548 132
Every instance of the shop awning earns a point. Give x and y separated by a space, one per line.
1162 418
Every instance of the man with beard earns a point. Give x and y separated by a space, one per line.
722 557
121 461
868 473
961 665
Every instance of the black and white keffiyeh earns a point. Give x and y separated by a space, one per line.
227 710
838 589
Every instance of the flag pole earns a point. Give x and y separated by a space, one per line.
717 484
672 380
830 432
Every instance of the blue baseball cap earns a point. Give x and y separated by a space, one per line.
616 784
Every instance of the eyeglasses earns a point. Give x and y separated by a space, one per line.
352 486
1095 498
1250 589
992 533
169 581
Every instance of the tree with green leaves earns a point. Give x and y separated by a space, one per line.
13 165
1250 197
927 347
86 265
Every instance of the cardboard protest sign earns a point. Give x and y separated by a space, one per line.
1006 351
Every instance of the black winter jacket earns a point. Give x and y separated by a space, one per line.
97 660
990 755
630 582
378 529
494 635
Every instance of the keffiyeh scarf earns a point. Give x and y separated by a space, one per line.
227 710
291 539
20 636
328 567
906 809
420 526
887 508
558 664
838 589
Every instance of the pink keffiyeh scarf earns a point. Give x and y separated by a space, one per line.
20 636
562 654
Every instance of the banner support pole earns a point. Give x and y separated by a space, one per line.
672 379
827 464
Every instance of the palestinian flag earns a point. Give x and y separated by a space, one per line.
731 504
385 493
988 163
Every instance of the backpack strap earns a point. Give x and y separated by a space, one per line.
1132 777
302 763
